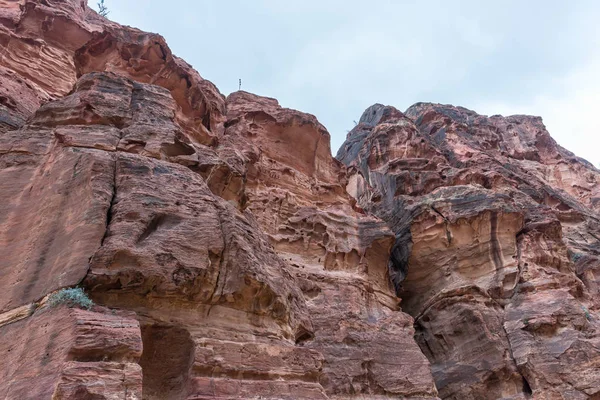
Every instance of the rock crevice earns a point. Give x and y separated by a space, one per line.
442 254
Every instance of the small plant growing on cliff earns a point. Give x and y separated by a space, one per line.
102 9
576 256
72 297
586 312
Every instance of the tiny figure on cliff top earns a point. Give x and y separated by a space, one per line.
102 9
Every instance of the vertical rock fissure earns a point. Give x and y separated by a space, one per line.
111 204
526 387
446 222
494 243
223 254
109 214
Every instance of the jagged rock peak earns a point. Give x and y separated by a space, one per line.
458 112
378 113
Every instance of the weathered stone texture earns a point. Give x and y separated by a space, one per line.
230 256
496 247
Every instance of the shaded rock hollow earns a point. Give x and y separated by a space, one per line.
443 254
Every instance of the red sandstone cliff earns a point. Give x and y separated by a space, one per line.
230 256
497 247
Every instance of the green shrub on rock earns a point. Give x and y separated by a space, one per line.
72 297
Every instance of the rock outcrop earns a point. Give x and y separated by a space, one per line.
214 235
229 255
338 254
496 247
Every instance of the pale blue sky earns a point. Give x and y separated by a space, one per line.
335 58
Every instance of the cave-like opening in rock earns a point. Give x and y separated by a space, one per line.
527 388
166 362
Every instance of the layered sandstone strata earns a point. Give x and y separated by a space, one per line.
496 249
214 235
230 256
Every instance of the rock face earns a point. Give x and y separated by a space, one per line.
230 256
72 354
214 235
496 251
339 256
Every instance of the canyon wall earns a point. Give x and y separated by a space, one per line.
442 254
497 246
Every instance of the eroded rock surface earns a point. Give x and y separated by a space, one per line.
243 272
496 247
145 233
230 256
72 354
296 191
